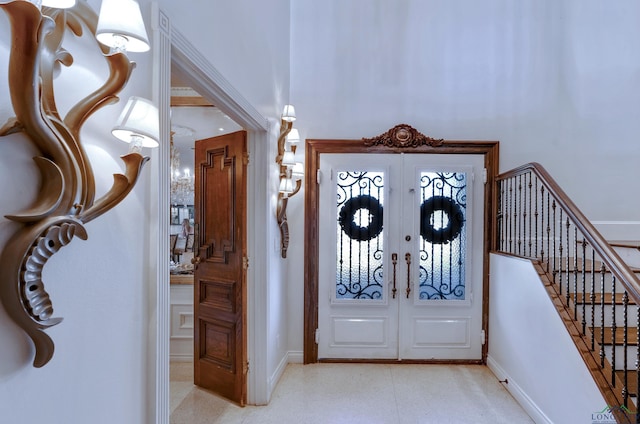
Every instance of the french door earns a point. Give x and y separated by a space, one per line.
400 263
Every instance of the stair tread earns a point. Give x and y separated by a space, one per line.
632 335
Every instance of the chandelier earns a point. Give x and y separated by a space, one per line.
182 184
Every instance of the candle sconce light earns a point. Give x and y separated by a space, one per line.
291 172
67 197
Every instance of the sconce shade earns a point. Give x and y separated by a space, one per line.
286 185
294 136
289 113
297 172
120 22
59 4
139 118
288 158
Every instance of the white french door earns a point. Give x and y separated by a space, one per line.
400 271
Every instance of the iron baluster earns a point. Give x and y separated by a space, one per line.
637 360
511 207
575 273
554 270
613 330
602 288
625 345
568 263
584 287
542 225
549 252
560 255
516 215
593 299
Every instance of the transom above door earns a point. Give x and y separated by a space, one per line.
400 139
397 275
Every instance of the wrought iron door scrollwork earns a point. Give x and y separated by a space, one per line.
67 197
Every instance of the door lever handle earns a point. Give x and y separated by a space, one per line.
407 258
394 261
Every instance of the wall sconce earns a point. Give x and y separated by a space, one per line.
291 172
67 197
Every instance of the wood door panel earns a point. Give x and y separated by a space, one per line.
218 226
217 345
220 295
220 292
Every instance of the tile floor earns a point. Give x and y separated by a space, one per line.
358 393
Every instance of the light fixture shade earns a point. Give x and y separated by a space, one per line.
297 172
294 136
289 113
138 118
288 158
59 4
121 20
286 185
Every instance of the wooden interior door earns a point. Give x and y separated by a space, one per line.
220 292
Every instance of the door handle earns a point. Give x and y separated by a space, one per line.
394 261
407 258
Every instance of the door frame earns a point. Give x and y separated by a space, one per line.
400 139
171 47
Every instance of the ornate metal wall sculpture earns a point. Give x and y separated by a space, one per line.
67 197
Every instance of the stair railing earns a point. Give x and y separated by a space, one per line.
537 220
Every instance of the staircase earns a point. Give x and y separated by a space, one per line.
594 290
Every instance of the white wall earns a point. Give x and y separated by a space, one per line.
531 348
554 81
98 286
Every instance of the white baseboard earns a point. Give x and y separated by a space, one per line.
518 394
277 374
181 358
296 357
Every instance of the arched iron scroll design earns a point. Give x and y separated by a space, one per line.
67 197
